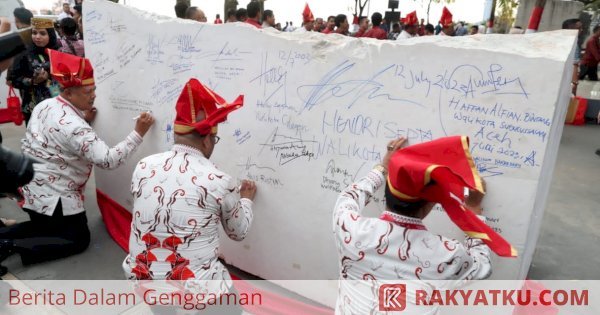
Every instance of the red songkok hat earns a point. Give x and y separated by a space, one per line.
411 19
307 15
438 171
446 18
70 70
197 97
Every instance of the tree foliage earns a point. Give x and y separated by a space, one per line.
505 19
591 4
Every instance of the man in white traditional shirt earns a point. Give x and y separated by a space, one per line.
66 12
68 148
397 246
181 198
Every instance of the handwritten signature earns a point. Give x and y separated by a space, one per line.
330 86
287 148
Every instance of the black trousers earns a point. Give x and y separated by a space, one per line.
590 71
47 238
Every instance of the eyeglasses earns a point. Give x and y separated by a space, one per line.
217 138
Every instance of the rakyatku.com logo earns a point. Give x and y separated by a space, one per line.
392 297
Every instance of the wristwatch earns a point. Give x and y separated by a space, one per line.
381 168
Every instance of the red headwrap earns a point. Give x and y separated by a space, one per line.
446 18
307 15
196 97
411 19
70 70
438 171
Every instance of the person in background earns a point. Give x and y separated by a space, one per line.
421 29
575 24
4 64
474 29
363 27
231 16
180 9
429 30
588 66
77 17
30 72
291 27
438 28
66 12
341 24
395 32
446 22
268 19
193 13
376 31
218 19
308 20
253 9
58 30
70 43
461 29
385 25
22 18
411 25
241 15
59 135
318 25
330 25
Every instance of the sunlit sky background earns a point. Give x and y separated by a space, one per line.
471 11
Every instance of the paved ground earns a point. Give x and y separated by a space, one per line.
568 246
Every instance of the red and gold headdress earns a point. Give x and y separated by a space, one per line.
197 97
438 171
70 70
411 19
446 18
307 15
39 23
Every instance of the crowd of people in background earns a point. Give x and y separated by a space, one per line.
30 71
374 27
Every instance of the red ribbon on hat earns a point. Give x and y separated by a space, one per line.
438 171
